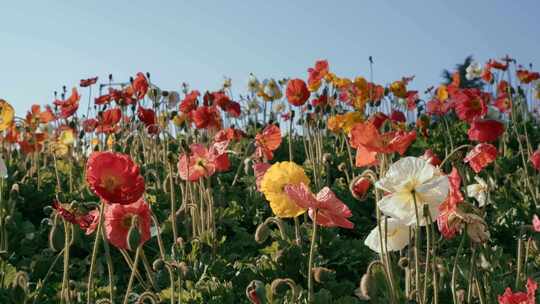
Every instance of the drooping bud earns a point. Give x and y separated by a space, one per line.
256 292
133 236
56 235
322 274
359 187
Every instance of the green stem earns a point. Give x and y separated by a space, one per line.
94 255
310 262
132 276
454 268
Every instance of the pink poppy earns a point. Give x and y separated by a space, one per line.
118 220
331 212
202 162
481 156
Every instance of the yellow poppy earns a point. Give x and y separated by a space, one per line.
6 115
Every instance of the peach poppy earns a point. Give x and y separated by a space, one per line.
317 74
481 156
114 177
536 223
527 77
267 142
202 162
329 210
118 220
260 169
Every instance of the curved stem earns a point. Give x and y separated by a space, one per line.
454 268
94 255
132 276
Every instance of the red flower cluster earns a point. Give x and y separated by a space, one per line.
481 156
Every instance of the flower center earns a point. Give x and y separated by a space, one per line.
110 182
126 221
476 104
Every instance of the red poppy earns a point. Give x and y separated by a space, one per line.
497 65
35 116
411 98
329 210
108 120
206 117
366 135
481 156
320 101
438 107
123 97
529 297
149 119
360 187
189 103
88 82
229 134
140 85
397 116
85 221
69 106
487 75
267 142
503 103
217 98
202 162
378 119
449 206
535 159
485 130
118 220
297 92
89 125
470 104
233 108
431 157
526 76
114 177
103 99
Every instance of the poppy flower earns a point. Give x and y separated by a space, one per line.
114 177
103 99
89 125
233 109
438 107
378 119
320 101
229 134
479 191
503 103
485 130
108 120
6 115
520 297
359 187
527 77
497 65
267 142
324 207
369 137
397 116
396 238
203 162
536 223
473 71
535 159
85 221
206 117
399 89
88 82
35 116
470 104
431 157
455 197
140 85
260 169
149 119
69 106
316 74
297 92
408 180
481 156
118 220
189 103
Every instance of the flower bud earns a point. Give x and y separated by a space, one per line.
256 292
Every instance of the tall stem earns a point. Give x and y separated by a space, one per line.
132 276
94 255
310 262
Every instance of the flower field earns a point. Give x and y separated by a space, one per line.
316 189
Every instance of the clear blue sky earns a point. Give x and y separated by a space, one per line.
47 44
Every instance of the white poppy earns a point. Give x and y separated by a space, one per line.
407 176
253 83
474 70
397 236
278 107
479 191
3 168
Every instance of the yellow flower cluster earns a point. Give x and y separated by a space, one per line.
344 122
273 182
6 115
